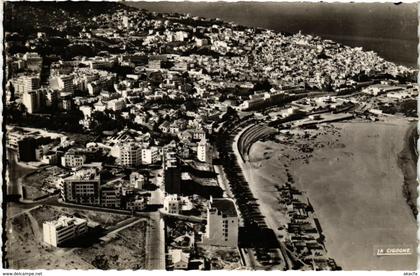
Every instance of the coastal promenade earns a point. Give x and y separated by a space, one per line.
241 146
254 226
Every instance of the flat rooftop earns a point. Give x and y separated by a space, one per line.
65 221
226 206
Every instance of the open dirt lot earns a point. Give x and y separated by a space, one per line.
26 250
43 178
125 251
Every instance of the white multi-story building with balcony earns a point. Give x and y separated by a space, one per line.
222 223
63 229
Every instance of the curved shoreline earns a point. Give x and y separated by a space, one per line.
255 232
355 186
407 161
270 196
261 177
248 136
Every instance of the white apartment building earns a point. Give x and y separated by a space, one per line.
180 36
125 21
63 83
222 223
29 100
199 134
33 100
63 229
150 156
129 155
25 84
66 83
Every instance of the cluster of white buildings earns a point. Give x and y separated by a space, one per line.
85 186
36 97
133 154
174 204
168 84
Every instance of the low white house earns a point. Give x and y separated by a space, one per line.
173 204
179 258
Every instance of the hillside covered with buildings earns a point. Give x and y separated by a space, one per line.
143 114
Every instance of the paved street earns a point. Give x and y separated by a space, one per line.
155 243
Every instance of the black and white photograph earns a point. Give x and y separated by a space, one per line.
229 136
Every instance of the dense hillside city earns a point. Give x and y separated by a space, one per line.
133 129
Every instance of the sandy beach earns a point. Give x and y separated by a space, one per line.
352 178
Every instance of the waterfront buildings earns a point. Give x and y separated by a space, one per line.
154 87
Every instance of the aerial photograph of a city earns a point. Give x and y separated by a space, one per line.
209 136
